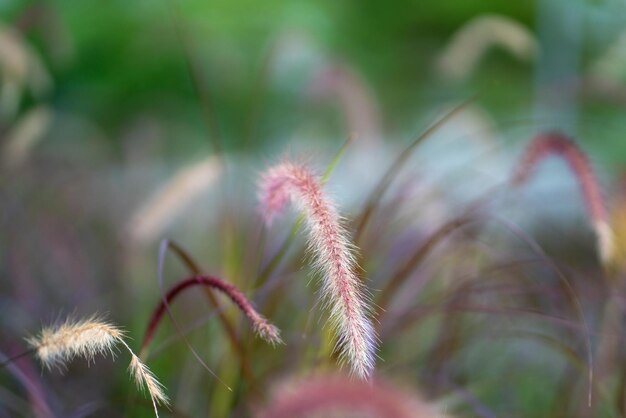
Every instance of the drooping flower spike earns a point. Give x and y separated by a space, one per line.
554 143
57 345
260 325
334 258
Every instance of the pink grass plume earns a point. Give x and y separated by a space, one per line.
333 256
554 143
339 396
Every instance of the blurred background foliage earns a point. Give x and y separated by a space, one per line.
120 63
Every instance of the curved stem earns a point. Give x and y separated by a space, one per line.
260 324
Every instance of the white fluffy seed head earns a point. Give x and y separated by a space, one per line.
58 345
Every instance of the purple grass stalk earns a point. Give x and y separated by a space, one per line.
338 395
25 373
334 258
261 326
546 144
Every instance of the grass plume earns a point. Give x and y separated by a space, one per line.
341 396
171 199
88 338
334 257
555 143
57 345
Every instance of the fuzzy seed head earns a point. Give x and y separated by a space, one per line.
88 338
145 379
57 345
341 396
333 257
267 331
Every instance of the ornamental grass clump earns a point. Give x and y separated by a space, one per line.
55 346
334 258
